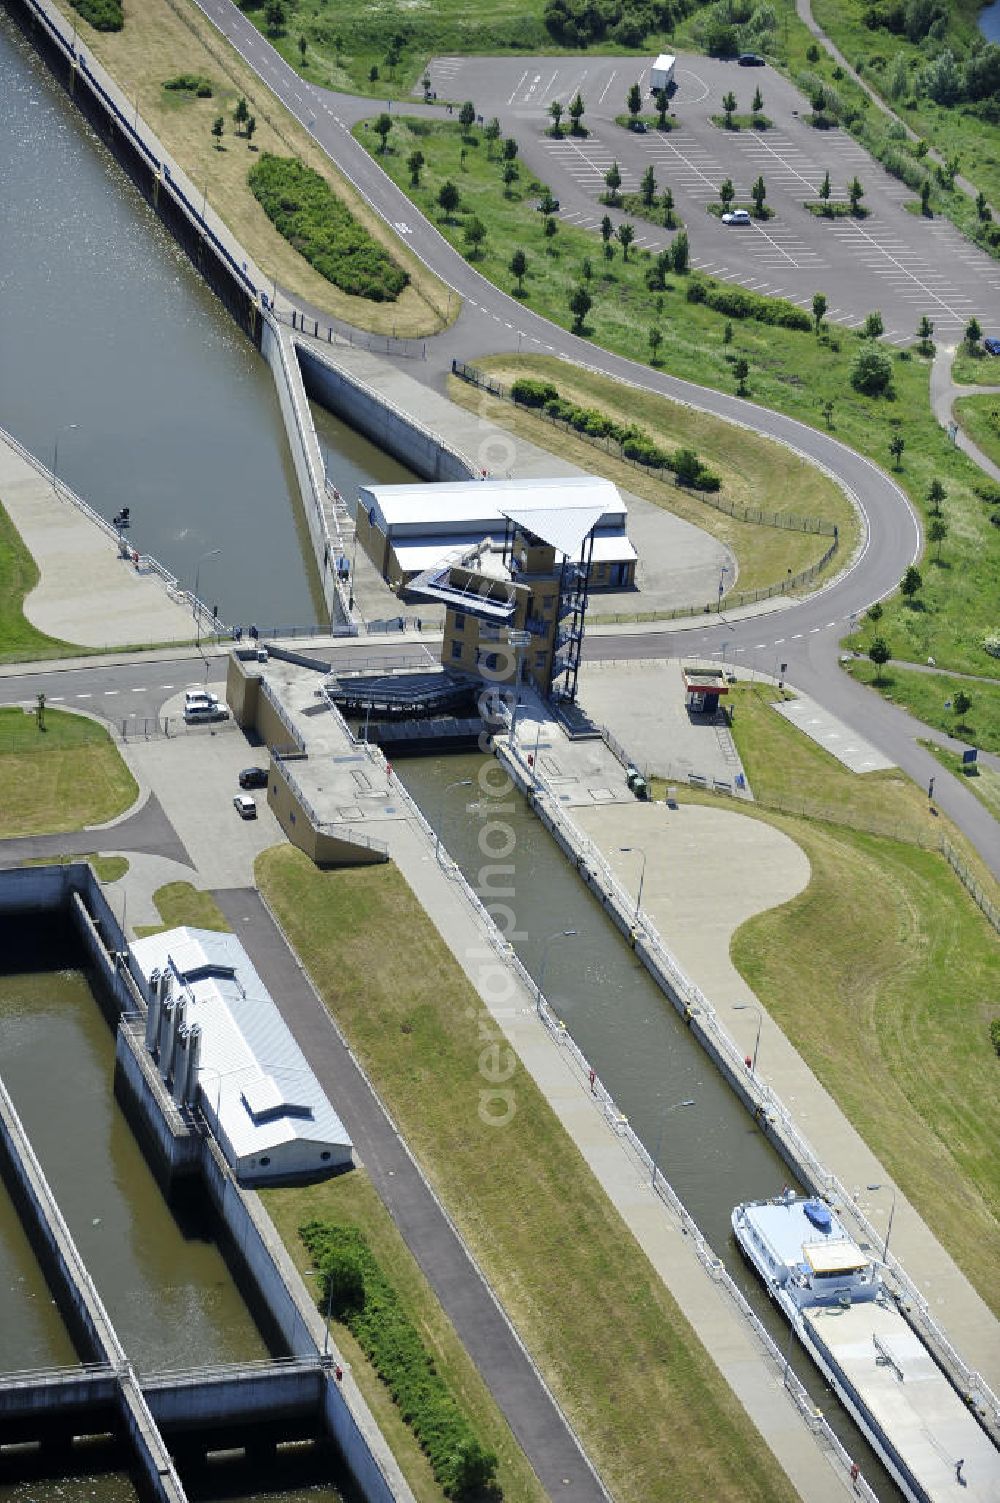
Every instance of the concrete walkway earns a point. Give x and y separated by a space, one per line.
147 830
944 393
86 593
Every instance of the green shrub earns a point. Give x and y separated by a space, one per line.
103 15
190 83
376 1319
302 207
531 393
735 302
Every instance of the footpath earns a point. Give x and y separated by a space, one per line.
87 593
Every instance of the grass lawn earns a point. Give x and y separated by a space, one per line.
790 370
61 778
351 1200
181 903
908 966
750 467
20 641
976 370
651 1408
925 694
165 38
107 868
975 141
981 780
980 419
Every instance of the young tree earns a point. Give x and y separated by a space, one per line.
758 193
741 370
240 114
680 254
274 16
550 227
874 326
973 334
911 583
655 340
303 49
925 199
819 309
250 127
467 115
613 178
880 653
962 704
983 212
556 112
449 199
587 269
373 73
647 188
576 113
491 134
937 531
383 125
757 103
662 101
218 126
625 234
855 193
518 267
874 611
936 493
896 446
580 304
475 234
924 331
607 229
871 373
818 100
510 175
729 107
425 84
827 410
633 101
824 191
727 193
509 149
669 219
414 165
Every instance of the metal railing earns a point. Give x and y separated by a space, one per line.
294 735
345 832
343 334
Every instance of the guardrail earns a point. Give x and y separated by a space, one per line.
294 735
377 344
767 1106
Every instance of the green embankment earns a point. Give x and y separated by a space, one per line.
617 1351
980 419
19 640
59 778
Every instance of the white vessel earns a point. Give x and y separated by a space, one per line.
831 1292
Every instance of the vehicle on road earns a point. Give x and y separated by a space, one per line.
661 74
639 126
831 1292
736 216
199 697
202 714
253 777
245 806
751 60
991 346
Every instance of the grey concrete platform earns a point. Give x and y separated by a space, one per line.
857 754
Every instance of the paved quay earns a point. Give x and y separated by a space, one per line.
86 594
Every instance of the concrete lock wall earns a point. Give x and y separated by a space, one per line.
392 430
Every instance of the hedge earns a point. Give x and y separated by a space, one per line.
635 443
302 207
734 302
362 1299
103 15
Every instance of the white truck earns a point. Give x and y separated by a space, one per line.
661 74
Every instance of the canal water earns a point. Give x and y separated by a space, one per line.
989 21
711 1152
118 365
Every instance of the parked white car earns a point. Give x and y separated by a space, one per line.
736 216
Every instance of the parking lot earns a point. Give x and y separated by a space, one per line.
892 260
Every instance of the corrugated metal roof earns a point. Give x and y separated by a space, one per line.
562 527
253 1077
484 502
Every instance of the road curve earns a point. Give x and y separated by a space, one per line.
805 634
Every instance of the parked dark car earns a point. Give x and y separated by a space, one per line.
253 777
991 346
751 60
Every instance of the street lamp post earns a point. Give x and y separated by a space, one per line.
66 428
629 850
688 1101
212 553
459 783
892 1212
559 934
752 1007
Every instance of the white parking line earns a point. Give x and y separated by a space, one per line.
517 86
614 75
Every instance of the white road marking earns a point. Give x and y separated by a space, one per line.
517 86
614 75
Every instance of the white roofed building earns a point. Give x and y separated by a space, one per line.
222 1045
407 529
